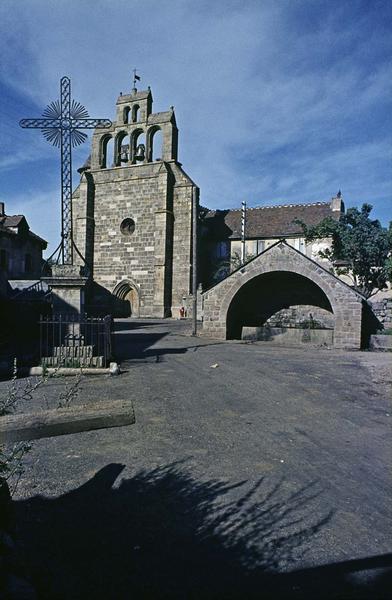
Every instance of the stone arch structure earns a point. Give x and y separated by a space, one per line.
128 293
334 295
271 295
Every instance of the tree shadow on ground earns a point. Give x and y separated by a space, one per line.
163 534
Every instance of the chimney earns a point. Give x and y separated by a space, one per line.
2 209
337 204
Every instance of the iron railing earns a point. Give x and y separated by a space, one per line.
38 288
75 341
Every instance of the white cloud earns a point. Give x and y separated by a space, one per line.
268 109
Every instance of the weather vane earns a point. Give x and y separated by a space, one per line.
135 79
60 126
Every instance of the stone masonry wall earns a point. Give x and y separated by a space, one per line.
137 192
156 257
296 316
182 239
383 311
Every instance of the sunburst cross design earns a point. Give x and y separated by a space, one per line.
60 125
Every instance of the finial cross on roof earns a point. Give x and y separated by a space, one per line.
135 79
60 125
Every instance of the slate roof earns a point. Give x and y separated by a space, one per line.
9 222
266 221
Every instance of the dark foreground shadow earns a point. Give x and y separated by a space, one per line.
162 534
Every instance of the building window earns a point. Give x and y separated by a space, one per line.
299 244
28 263
3 260
127 226
222 250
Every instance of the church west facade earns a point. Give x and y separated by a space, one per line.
132 213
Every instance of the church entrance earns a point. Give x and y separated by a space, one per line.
132 297
127 300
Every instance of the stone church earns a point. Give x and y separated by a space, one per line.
132 219
132 214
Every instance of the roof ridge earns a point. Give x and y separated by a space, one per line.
271 206
290 205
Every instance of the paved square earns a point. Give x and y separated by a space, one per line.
245 459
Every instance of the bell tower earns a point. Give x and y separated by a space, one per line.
134 133
133 213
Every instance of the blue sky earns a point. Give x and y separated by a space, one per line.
283 101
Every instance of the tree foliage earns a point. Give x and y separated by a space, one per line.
361 248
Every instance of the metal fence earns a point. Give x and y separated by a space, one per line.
75 341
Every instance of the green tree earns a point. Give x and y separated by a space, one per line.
360 248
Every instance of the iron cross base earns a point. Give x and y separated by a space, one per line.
67 284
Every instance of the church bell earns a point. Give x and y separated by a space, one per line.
124 153
140 152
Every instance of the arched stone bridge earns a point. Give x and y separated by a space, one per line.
278 278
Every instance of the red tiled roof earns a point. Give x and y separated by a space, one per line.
266 221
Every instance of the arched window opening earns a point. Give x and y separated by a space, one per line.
135 113
126 112
107 152
138 147
122 147
28 263
155 144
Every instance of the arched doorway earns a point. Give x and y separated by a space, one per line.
127 299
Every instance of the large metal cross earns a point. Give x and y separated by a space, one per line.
62 120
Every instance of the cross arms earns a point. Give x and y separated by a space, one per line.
71 123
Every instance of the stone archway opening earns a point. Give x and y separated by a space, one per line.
126 299
281 304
